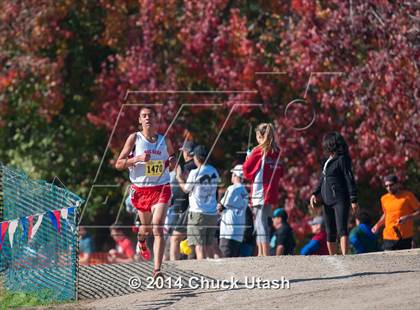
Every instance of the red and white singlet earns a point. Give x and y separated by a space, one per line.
155 171
150 179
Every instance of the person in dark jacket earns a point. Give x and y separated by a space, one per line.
337 189
180 202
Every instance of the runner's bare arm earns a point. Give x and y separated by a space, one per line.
123 162
171 152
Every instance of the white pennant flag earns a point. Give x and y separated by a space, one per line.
37 224
12 228
64 213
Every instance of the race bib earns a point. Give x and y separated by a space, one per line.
154 168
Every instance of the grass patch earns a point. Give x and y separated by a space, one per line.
19 299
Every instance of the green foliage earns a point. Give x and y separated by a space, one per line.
66 145
65 67
10 300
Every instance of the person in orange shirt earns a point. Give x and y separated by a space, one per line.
399 208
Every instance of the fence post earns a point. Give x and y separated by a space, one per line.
77 215
2 267
1 192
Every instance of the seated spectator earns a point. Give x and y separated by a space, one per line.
232 209
124 251
361 237
283 241
86 246
318 243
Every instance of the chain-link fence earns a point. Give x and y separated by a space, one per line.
38 237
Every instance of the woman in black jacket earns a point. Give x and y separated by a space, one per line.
338 191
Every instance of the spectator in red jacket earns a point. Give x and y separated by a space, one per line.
262 169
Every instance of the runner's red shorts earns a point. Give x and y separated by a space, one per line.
144 198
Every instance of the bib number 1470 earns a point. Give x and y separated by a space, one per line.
154 168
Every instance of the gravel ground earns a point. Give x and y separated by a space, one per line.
371 281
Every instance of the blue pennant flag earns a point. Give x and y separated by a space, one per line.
25 223
71 210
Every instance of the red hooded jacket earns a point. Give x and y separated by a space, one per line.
272 172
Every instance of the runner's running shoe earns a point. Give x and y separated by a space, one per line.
143 250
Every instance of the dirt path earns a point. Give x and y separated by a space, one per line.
370 281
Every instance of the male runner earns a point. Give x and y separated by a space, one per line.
152 158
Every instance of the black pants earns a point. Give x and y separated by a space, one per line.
229 247
336 219
402 244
